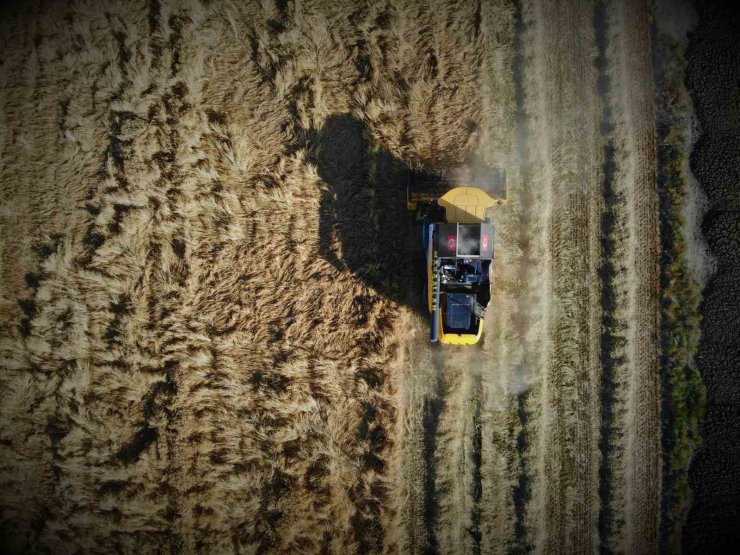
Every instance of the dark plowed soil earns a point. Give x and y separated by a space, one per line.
714 82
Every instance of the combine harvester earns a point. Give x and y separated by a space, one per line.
457 236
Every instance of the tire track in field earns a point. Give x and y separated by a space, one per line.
421 401
416 511
527 240
626 519
517 308
567 485
533 308
434 405
455 457
514 349
642 472
475 530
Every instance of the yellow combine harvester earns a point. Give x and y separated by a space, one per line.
457 236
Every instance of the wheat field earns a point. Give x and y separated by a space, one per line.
202 269
211 336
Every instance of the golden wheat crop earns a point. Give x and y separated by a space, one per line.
204 271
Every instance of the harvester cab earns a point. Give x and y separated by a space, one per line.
457 238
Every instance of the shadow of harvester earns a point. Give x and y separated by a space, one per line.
364 224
